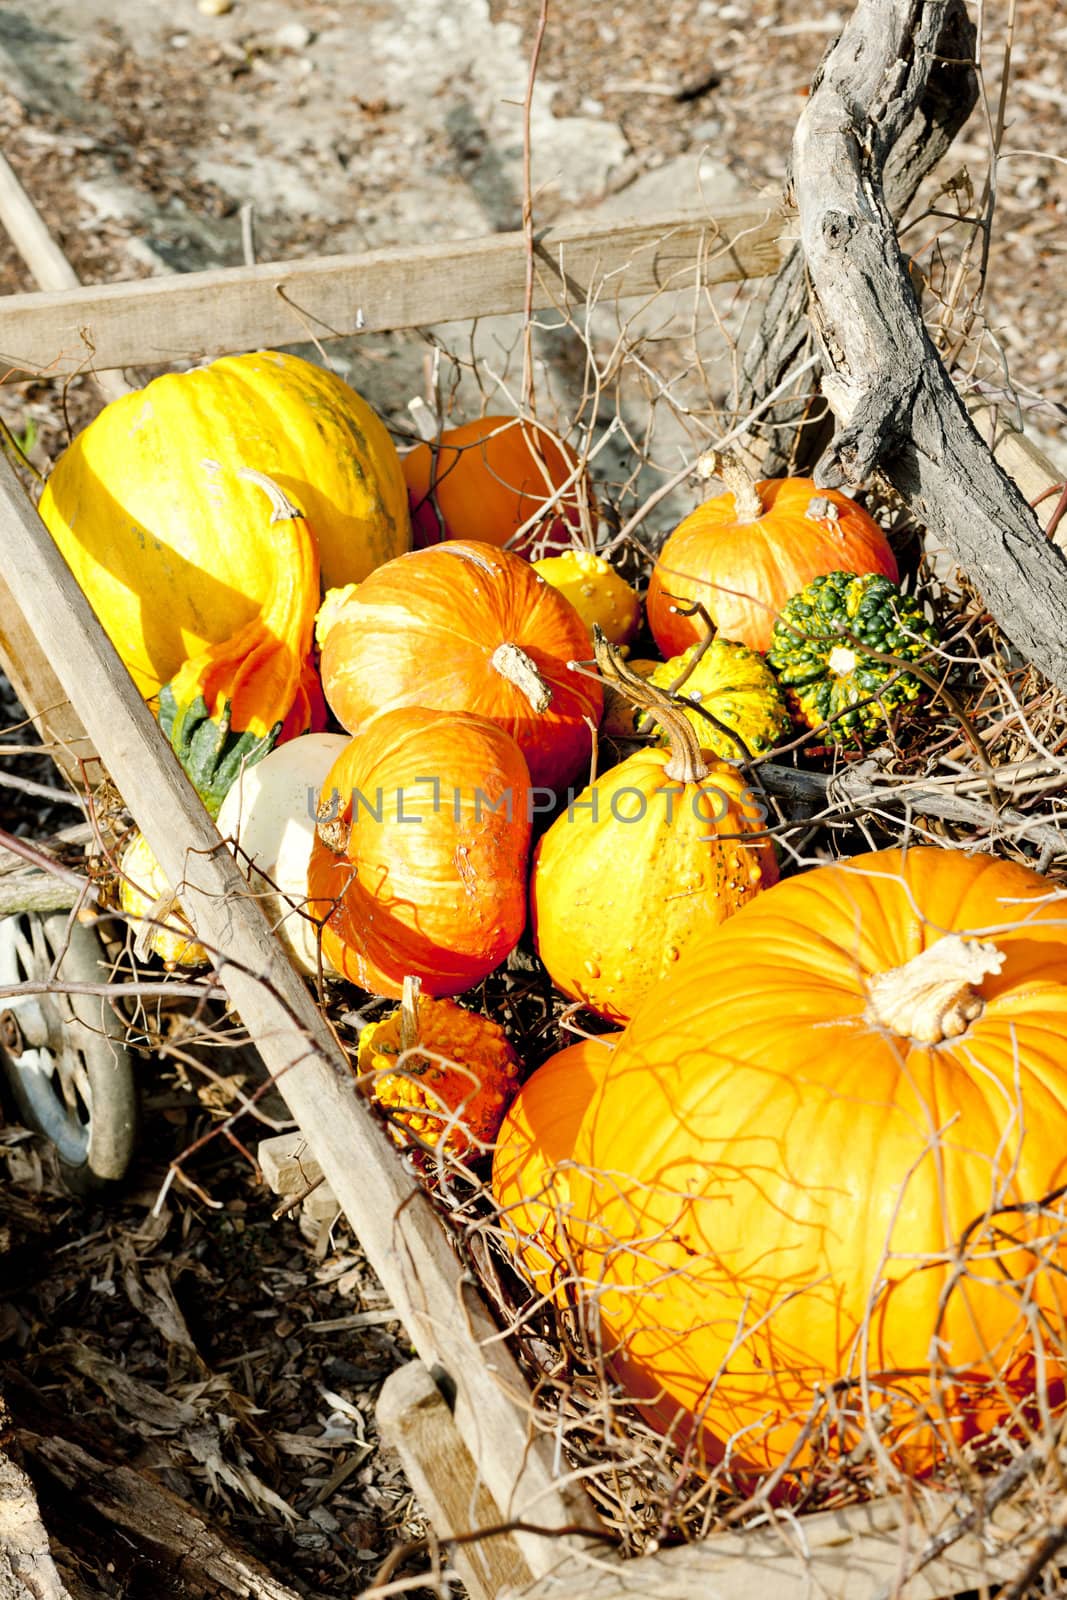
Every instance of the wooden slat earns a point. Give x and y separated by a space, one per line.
24 660
395 1222
1021 459
414 1417
50 268
860 1553
197 315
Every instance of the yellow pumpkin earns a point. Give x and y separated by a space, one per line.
595 590
151 904
162 534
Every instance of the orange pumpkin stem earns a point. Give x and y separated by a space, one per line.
521 670
729 467
935 996
685 763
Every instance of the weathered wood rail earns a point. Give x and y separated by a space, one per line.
481 1460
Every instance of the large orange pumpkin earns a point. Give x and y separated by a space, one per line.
465 627
531 1163
823 1164
163 535
419 861
646 861
743 554
483 480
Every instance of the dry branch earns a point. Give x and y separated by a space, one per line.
27 1571
895 404
781 342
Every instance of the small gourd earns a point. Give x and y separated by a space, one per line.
746 712
444 1074
596 591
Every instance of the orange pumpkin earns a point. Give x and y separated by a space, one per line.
465 627
419 860
530 1166
485 479
743 554
646 861
802 1175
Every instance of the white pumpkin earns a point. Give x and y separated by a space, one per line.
270 814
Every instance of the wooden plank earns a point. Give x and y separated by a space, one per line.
446 1320
50 268
414 1417
29 671
1021 459
197 315
860 1553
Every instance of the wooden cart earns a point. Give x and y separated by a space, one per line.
461 1414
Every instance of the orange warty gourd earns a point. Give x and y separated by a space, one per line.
533 1148
645 862
446 1075
465 627
743 554
161 532
814 1143
483 480
420 856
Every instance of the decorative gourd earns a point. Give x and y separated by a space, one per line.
743 554
821 1152
817 651
444 1074
148 899
483 480
269 813
735 685
227 707
420 856
596 592
464 627
635 869
533 1148
163 535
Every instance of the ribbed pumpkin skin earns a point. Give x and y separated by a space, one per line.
423 630
485 478
744 572
149 513
790 1151
616 902
437 891
533 1148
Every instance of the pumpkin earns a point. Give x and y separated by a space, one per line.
465 627
734 685
821 1155
483 480
162 533
649 859
445 1075
225 708
269 815
743 554
152 906
530 1164
420 856
596 592
817 650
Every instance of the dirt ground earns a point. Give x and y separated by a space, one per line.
217 1348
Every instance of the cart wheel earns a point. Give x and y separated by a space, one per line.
63 1055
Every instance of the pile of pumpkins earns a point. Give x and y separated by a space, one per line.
812 1184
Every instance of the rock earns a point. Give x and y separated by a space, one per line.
214 8
293 36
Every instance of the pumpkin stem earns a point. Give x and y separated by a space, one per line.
685 763
409 1020
282 508
748 502
518 668
934 996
